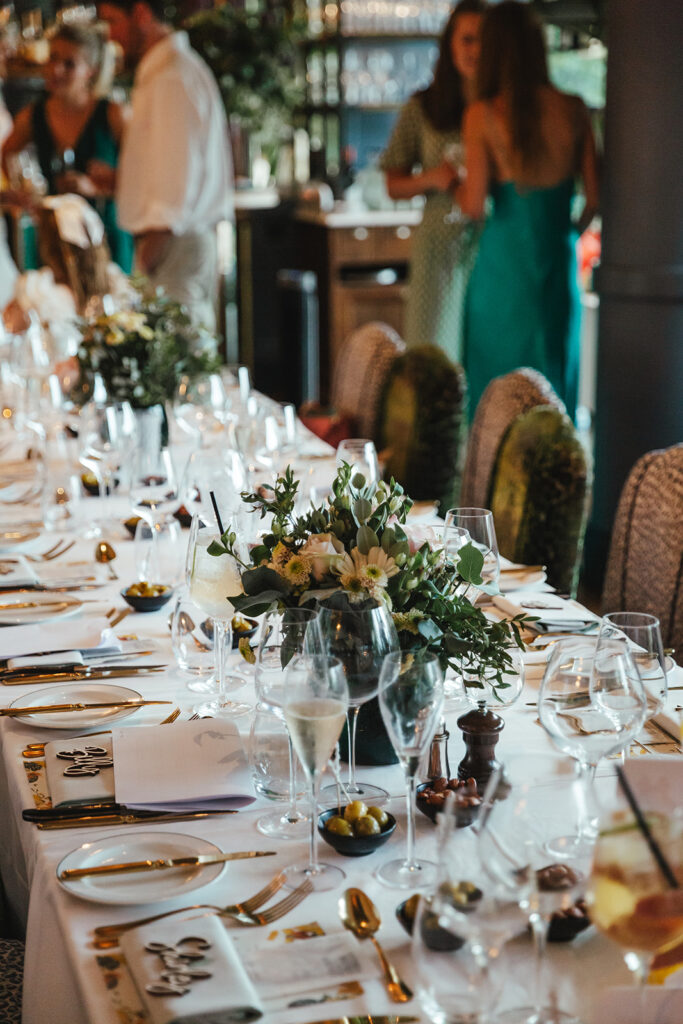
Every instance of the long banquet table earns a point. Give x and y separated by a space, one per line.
64 983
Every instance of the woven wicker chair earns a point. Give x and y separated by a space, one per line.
645 563
360 374
421 424
504 399
11 975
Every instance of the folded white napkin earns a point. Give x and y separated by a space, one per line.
223 995
195 765
76 788
15 571
84 635
552 612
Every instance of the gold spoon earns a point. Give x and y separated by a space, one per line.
105 555
359 914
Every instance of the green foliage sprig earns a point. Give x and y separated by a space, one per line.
358 545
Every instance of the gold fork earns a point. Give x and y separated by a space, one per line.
117 615
60 548
109 933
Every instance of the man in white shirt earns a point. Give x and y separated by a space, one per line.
174 181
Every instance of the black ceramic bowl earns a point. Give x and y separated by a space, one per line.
464 816
565 927
184 517
147 604
131 524
237 634
352 846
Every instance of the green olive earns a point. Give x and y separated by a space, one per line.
339 826
380 816
366 826
354 810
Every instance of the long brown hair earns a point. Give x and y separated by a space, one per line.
513 63
443 101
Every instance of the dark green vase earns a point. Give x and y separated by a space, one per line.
373 746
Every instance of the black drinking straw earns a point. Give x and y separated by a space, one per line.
655 848
217 513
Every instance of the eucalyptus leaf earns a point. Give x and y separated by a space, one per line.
470 564
366 539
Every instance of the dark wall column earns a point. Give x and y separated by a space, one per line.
640 282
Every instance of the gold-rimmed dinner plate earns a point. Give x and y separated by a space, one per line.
77 693
145 886
10 539
520 580
31 606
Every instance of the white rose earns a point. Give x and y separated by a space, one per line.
323 549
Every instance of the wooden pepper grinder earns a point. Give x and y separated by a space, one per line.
481 730
438 766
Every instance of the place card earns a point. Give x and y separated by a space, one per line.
188 972
193 766
328 960
76 773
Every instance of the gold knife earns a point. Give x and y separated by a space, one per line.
71 677
373 1019
202 860
47 709
37 604
98 820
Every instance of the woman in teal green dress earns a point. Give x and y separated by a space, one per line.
76 135
421 158
526 144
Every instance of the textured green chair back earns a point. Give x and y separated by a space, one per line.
421 424
539 495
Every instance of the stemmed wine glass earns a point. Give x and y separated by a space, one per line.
591 704
213 580
643 634
200 406
480 526
361 455
222 472
315 709
360 638
154 491
410 699
109 436
514 857
632 900
284 636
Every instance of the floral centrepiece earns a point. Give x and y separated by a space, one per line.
358 545
142 354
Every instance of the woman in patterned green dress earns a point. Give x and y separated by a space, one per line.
422 158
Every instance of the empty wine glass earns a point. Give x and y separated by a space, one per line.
645 638
361 456
315 709
200 406
213 580
479 524
154 490
222 472
590 707
410 699
284 636
109 432
514 856
360 638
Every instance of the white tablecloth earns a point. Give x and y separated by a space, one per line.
63 984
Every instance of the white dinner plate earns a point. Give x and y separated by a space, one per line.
508 581
76 693
141 886
38 606
10 539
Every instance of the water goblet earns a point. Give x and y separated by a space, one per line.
361 456
645 639
479 524
314 710
213 580
200 406
360 638
410 699
590 707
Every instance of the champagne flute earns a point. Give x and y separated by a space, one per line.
591 706
213 580
645 638
315 709
479 524
630 899
284 636
361 638
410 699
